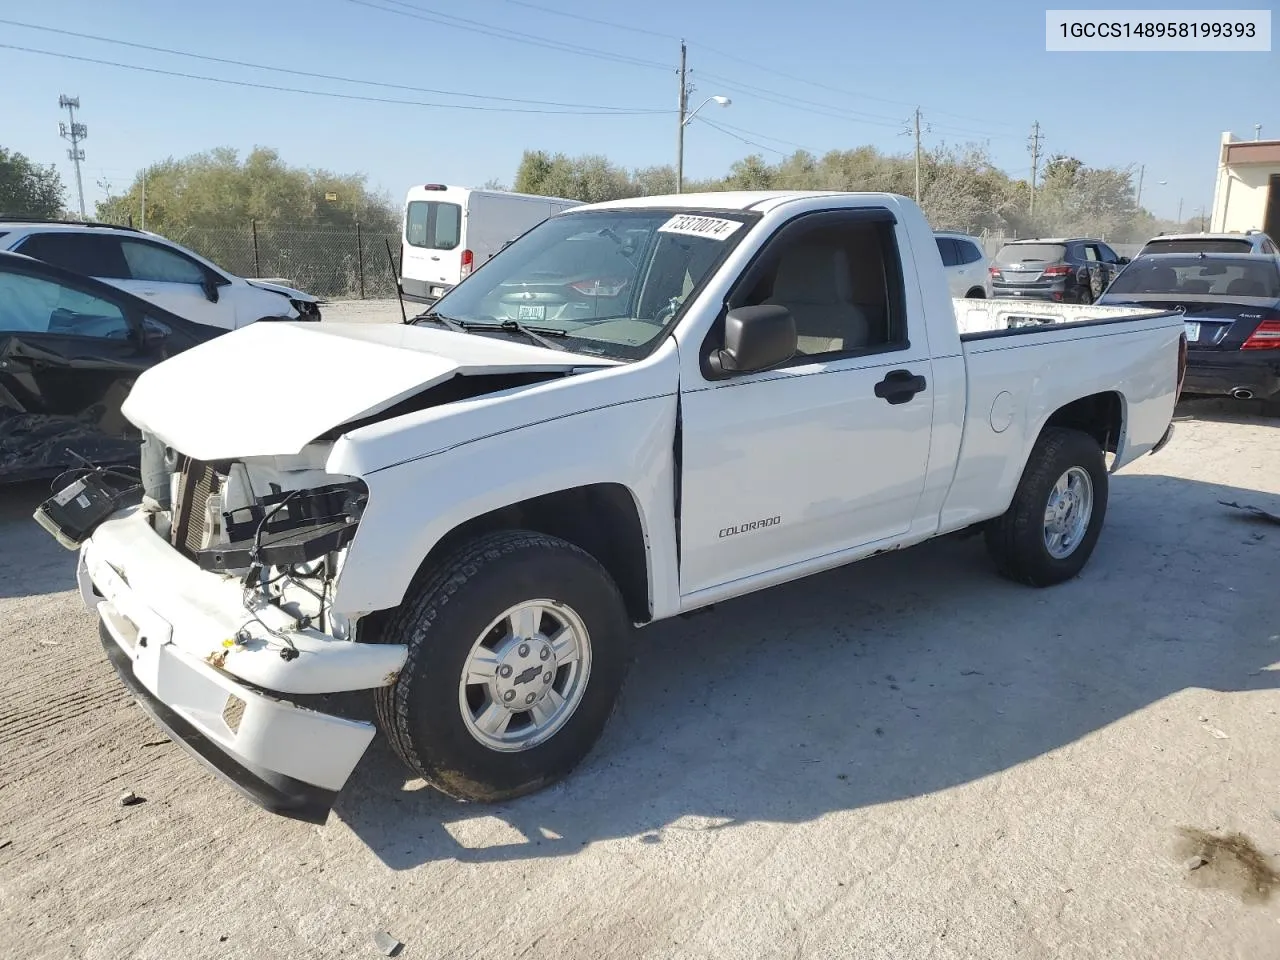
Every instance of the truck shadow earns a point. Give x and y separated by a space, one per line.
890 679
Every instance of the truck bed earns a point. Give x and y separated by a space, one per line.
977 317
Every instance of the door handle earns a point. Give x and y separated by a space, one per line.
899 386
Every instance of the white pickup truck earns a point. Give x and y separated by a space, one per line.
636 410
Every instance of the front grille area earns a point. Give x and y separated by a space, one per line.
196 483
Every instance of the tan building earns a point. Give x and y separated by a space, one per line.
1247 193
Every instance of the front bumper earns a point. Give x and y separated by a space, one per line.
165 622
1221 373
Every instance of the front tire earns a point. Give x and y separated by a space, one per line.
1050 529
518 647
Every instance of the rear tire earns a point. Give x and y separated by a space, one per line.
976 294
472 614
1045 538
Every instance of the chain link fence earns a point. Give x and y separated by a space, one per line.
333 263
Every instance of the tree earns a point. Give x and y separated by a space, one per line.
960 187
217 190
28 189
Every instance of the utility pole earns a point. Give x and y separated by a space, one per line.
75 132
1034 146
682 106
1180 211
1141 172
917 154
1257 131
144 199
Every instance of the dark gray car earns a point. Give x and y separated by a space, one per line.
1075 270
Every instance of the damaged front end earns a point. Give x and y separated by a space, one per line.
216 598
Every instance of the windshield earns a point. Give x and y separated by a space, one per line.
613 281
1190 275
1031 253
1196 245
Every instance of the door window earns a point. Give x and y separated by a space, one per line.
1091 253
947 247
157 264
969 251
94 255
841 279
36 305
433 225
1108 255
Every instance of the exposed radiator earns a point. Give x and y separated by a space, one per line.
196 483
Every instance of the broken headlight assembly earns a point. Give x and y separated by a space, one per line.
282 529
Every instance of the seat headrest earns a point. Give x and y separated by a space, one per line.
813 273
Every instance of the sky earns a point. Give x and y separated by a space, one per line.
819 75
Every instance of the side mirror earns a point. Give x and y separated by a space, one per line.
755 338
210 289
151 335
1122 260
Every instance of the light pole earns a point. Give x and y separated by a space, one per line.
684 122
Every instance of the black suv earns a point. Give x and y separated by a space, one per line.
1066 270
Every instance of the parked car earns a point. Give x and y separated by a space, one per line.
70 349
449 231
1066 270
1232 309
965 264
785 390
158 270
1254 241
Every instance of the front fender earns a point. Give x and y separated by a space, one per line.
413 505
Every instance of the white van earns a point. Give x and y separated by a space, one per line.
449 231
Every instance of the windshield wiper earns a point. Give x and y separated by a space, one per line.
440 318
538 335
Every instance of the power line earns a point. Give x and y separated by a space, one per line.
808 106
461 23
303 73
750 143
762 136
324 93
602 23
753 63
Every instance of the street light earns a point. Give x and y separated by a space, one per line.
684 122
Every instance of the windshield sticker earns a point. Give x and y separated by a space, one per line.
694 226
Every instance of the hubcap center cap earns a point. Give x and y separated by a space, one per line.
526 671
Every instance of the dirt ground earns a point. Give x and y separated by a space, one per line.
907 758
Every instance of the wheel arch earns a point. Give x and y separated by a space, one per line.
604 519
1100 415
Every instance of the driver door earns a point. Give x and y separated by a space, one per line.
68 358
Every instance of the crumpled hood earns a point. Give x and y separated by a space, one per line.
282 290
269 389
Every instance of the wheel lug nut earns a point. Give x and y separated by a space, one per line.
530 698
504 671
509 696
545 654
546 677
524 650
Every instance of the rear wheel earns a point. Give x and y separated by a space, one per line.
1050 529
977 293
518 646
